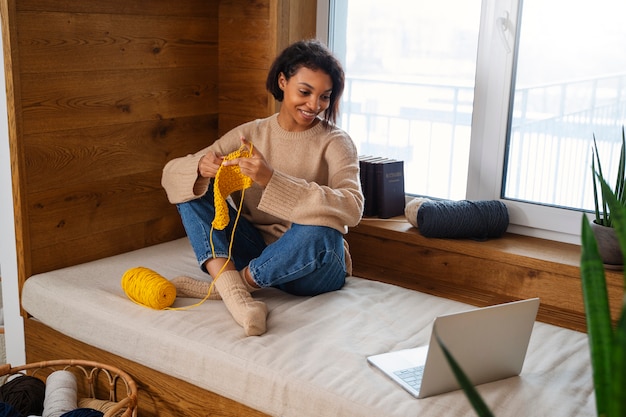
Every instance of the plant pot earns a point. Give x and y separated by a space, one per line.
608 245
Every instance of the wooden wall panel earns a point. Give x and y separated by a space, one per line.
63 42
244 61
302 20
107 93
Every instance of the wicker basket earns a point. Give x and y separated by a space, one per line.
95 380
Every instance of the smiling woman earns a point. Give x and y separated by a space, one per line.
305 194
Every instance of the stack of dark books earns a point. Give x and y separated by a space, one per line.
382 181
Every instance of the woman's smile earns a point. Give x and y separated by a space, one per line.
306 95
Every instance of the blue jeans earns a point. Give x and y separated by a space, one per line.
306 260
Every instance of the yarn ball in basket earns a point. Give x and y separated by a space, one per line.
61 394
146 287
83 412
96 404
25 394
7 410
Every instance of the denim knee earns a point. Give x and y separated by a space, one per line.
306 260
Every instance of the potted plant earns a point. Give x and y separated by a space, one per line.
602 225
607 344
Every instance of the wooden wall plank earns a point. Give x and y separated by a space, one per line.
244 60
105 94
240 89
61 101
245 55
192 8
245 9
110 242
302 20
73 212
71 157
63 42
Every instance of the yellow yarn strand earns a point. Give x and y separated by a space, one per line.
147 288
221 210
230 247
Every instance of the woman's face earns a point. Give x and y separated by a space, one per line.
306 94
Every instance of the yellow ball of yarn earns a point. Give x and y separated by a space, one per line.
146 287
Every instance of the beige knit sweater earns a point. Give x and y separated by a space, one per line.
315 180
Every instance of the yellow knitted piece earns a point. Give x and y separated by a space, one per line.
228 180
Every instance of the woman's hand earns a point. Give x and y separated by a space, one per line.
209 164
256 167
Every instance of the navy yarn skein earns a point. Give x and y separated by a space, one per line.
7 410
83 412
481 219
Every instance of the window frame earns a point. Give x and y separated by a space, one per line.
495 63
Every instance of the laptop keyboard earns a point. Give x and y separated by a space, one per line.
412 376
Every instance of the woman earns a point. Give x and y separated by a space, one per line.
305 193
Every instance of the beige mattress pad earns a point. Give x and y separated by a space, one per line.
312 360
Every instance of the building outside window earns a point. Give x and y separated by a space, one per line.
487 99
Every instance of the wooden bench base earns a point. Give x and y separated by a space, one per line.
160 395
512 267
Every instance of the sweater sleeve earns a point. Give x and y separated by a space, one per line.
337 204
180 177
181 180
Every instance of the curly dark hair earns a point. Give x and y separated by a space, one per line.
314 55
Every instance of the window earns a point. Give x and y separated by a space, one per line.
486 99
410 68
578 90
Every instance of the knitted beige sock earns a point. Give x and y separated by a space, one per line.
195 288
247 312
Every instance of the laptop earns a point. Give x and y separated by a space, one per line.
489 343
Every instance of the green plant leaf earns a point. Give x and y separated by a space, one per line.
617 390
602 208
598 315
470 392
596 200
619 182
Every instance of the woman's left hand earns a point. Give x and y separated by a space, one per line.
256 167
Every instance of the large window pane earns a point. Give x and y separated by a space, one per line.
570 84
410 69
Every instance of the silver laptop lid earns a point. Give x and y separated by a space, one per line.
489 343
